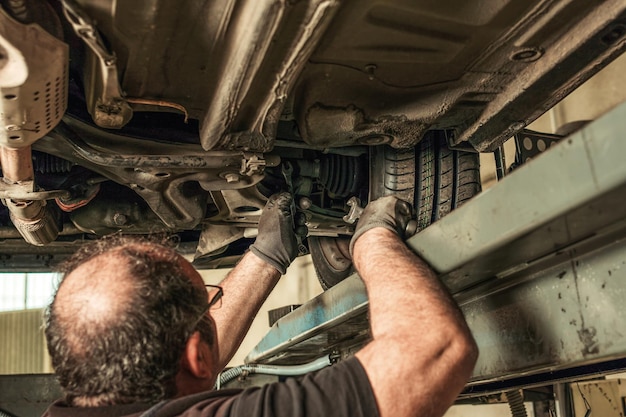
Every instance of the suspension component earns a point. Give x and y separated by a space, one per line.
287 170
355 211
341 175
105 100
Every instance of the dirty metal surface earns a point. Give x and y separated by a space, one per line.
570 314
564 312
537 264
334 320
27 395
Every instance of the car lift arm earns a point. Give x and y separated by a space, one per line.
537 264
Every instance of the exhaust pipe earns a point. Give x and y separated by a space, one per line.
36 221
33 99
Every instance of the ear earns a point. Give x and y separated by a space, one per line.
197 357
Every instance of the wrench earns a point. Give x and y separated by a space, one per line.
287 171
356 210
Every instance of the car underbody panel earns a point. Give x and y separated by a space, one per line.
183 117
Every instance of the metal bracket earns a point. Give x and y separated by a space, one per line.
529 144
105 99
355 210
252 163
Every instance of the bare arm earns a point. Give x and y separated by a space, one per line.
245 289
422 352
254 277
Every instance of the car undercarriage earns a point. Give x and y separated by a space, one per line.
183 117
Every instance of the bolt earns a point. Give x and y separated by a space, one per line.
305 203
120 219
12 128
370 69
231 177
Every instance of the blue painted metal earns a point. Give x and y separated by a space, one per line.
344 302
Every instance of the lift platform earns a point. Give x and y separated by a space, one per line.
537 264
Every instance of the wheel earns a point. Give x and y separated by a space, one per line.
433 178
331 259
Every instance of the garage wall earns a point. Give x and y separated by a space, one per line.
299 285
22 344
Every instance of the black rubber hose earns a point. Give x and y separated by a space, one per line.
5 414
516 403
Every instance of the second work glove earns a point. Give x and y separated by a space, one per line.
388 212
276 242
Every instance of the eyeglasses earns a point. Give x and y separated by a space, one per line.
203 324
216 292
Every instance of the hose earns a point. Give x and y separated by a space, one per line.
19 11
282 370
516 403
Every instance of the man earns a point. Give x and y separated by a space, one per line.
132 330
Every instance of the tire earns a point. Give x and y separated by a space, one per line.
331 259
433 178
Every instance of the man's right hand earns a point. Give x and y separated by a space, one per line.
276 242
388 212
413 320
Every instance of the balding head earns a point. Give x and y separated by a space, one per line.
119 322
93 296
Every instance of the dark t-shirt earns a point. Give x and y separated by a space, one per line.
341 390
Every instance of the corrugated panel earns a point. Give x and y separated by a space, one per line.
22 343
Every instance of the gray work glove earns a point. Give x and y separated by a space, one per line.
388 212
276 242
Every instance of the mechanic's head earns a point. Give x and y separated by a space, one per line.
129 323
